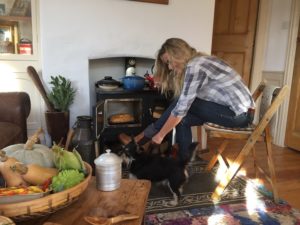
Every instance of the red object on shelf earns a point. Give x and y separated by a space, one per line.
25 48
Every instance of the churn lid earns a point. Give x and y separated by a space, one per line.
107 159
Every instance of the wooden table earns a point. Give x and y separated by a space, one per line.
130 197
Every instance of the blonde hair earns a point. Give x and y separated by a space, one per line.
180 53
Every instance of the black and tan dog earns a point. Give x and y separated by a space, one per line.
156 168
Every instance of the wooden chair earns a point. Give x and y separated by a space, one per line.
209 127
272 97
201 131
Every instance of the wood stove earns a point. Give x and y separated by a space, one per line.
139 104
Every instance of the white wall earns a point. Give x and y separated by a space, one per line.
74 31
278 34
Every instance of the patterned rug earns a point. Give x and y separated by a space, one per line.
196 192
243 202
265 212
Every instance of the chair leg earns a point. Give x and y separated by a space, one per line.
223 161
268 140
203 138
217 155
233 169
255 162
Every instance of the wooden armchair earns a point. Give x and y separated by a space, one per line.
272 97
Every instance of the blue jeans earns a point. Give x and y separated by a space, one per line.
200 112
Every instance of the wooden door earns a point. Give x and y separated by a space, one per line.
233 38
292 137
234 33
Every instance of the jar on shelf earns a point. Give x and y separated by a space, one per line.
25 47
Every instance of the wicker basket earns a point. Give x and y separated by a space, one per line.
43 206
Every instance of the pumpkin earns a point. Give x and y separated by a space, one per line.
31 153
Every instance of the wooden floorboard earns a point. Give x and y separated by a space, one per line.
287 167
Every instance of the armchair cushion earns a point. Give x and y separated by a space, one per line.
14 110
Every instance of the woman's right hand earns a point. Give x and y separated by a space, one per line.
157 139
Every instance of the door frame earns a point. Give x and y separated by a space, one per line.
261 38
289 69
259 53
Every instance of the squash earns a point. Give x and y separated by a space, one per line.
31 153
12 179
34 174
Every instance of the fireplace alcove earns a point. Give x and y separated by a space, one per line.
141 103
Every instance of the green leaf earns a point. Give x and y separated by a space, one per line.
66 179
62 94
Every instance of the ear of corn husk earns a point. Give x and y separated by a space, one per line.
64 159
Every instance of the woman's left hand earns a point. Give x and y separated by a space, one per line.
157 139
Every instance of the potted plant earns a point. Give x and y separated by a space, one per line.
61 96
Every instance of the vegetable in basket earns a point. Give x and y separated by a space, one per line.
30 152
33 173
66 179
11 179
10 191
64 159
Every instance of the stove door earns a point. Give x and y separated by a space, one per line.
123 112
99 117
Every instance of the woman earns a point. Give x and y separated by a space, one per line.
205 88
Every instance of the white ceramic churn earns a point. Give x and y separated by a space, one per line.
108 171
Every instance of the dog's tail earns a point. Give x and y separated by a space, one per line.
190 154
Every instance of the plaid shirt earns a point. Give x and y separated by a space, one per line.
211 79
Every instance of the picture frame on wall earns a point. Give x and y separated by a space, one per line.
8 37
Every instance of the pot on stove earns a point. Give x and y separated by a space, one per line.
133 83
108 83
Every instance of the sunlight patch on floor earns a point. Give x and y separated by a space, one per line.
220 172
216 219
242 172
221 219
252 200
253 205
223 169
